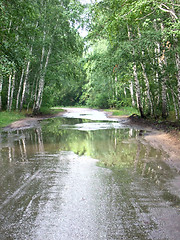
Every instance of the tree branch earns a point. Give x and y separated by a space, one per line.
145 16
167 10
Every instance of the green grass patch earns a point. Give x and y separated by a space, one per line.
127 111
56 109
7 118
43 111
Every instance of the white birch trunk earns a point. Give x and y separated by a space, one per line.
178 78
138 91
175 105
137 85
35 95
132 93
10 23
45 68
41 80
156 81
175 17
148 88
24 85
161 63
9 92
38 94
1 84
146 80
26 75
19 90
25 81
112 88
125 94
115 81
12 91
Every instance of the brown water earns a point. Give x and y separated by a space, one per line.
82 179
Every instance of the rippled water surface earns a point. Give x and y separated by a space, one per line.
76 178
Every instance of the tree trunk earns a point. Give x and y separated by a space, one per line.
178 78
19 90
25 81
1 84
31 97
115 87
41 80
24 85
156 81
41 83
35 93
125 93
161 63
175 17
132 93
146 81
12 92
9 92
148 88
138 91
175 105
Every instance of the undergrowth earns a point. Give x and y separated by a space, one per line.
123 111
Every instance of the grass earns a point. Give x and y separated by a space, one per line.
7 118
123 111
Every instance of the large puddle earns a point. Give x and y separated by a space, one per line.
76 178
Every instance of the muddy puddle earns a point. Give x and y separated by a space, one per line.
74 178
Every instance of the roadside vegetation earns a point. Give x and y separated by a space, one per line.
7 118
124 111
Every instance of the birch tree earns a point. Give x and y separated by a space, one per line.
23 26
1 83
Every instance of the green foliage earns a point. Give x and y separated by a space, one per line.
140 34
124 111
50 111
122 35
29 31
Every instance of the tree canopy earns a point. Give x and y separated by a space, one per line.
131 56
141 64
40 51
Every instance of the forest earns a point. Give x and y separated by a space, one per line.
130 56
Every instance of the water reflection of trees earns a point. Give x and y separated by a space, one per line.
19 145
123 150
114 148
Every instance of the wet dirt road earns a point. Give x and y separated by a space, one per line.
84 176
